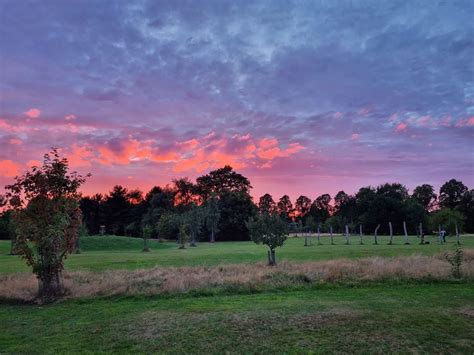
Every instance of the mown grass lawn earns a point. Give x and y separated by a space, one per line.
417 318
108 252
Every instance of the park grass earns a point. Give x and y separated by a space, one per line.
101 253
242 278
405 318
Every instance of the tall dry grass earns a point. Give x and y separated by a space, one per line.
160 281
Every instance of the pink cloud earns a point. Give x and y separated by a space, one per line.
355 136
9 168
15 141
401 127
33 113
70 117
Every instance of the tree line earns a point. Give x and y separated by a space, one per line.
218 205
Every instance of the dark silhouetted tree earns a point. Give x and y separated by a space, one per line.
266 204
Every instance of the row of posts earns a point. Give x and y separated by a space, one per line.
441 234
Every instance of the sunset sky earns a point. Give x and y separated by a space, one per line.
301 97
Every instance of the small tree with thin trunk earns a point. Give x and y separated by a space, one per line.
213 216
147 231
268 229
47 220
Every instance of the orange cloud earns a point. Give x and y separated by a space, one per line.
33 113
9 168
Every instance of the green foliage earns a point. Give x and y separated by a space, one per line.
455 259
183 235
270 230
47 219
447 219
451 193
168 226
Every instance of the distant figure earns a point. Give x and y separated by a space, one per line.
443 235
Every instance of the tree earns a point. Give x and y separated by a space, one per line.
302 206
47 217
212 217
235 210
117 209
447 219
320 208
220 180
285 208
93 212
185 193
266 204
268 229
194 219
168 226
425 195
147 231
466 207
451 193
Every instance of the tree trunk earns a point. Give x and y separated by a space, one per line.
50 286
319 234
212 236
347 234
77 246
145 245
375 234
422 238
391 233
360 234
405 232
193 240
12 245
458 241
330 232
440 237
271 257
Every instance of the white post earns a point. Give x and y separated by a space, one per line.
440 237
347 234
375 234
422 238
360 234
319 233
330 232
406 233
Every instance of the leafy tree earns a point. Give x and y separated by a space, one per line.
451 193
235 210
285 208
185 193
93 212
194 219
212 217
466 207
425 195
447 219
220 180
340 200
302 206
183 235
147 231
266 204
168 226
320 208
268 229
117 209
47 217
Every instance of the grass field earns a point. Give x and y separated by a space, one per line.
109 252
308 317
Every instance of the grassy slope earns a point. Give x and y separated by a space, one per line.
102 253
426 318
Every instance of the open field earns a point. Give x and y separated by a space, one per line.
428 318
108 252
221 297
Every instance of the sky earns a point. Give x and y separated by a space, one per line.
302 97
